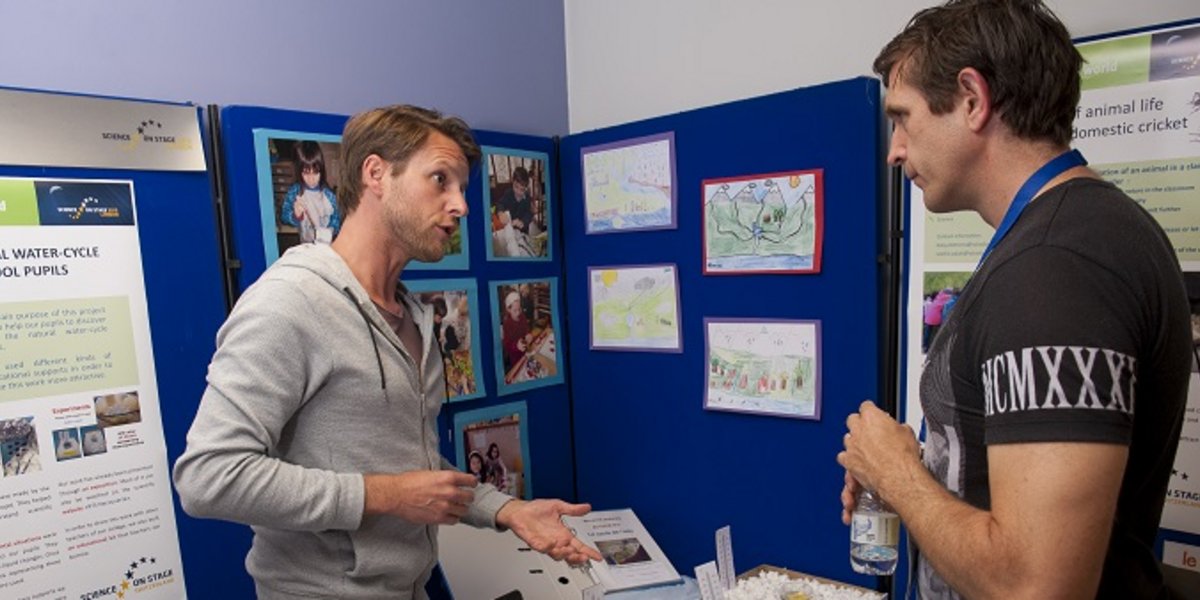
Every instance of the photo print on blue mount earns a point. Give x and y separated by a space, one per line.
526 332
297 188
517 204
492 444
455 306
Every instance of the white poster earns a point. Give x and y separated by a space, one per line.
85 496
1182 510
1138 123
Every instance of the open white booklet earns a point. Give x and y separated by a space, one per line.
631 558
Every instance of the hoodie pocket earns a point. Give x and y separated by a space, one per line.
391 548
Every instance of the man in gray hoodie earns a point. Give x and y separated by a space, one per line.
318 426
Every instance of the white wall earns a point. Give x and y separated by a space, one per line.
500 65
633 59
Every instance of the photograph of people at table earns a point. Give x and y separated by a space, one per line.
528 348
517 200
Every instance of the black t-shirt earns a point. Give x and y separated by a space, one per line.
1076 329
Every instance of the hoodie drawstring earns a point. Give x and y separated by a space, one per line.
370 332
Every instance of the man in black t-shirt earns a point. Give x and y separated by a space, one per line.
1054 392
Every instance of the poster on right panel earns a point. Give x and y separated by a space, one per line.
1138 123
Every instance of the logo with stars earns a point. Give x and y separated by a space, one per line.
143 574
78 213
149 131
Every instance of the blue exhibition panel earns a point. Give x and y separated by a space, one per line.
547 408
642 437
552 471
177 229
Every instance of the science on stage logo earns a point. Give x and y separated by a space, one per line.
140 575
148 131
84 203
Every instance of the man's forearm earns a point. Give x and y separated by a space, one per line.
1030 544
962 543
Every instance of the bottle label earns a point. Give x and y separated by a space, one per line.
882 529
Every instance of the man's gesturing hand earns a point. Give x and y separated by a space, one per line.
420 496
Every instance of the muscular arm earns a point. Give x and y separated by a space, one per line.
1046 534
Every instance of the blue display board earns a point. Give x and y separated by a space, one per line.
642 437
548 407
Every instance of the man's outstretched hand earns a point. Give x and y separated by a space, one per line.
539 524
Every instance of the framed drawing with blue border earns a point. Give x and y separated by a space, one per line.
455 306
763 366
629 185
492 444
516 204
525 333
635 308
297 188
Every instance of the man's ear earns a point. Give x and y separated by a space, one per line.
976 97
374 170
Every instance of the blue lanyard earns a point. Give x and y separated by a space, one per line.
1057 166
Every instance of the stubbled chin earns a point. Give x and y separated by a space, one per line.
433 253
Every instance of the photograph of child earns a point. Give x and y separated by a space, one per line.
304 175
526 333
452 329
516 197
493 440
475 466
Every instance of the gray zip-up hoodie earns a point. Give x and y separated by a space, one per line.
308 390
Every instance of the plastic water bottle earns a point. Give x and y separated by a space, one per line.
874 535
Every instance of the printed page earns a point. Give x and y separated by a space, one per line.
631 558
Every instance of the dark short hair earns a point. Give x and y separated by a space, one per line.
395 133
1019 46
308 154
439 306
521 175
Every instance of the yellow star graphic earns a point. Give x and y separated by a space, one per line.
124 585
